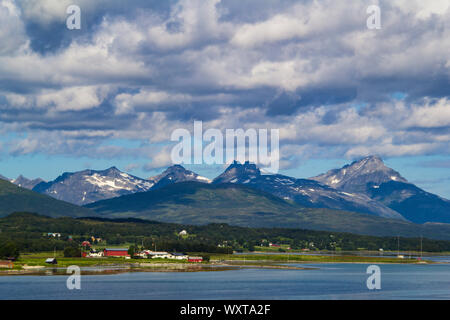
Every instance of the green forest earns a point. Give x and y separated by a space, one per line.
28 232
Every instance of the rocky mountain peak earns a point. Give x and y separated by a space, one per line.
23 182
174 174
88 186
356 176
238 172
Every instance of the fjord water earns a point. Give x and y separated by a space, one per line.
329 281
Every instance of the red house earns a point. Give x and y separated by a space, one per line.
116 253
195 259
274 245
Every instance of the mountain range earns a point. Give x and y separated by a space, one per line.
308 193
23 182
371 177
240 205
26 183
88 186
366 195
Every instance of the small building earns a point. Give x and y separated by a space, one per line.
54 235
274 245
179 256
6 265
195 259
115 253
51 261
157 254
94 254
183 233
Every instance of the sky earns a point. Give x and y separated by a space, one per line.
111 93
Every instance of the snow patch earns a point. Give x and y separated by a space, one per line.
335 181
203 179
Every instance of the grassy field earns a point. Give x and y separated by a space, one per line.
38 259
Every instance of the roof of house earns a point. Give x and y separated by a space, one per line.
115 249
178 254
157 252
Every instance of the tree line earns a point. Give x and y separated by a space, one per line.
29 234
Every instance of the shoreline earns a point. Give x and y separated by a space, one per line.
224 265
149 267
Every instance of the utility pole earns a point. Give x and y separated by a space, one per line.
421 238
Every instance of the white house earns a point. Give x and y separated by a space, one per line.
98 254
157 254
179 256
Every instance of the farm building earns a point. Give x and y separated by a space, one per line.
51 261
195 259
115 253
158 255
179 256
6 264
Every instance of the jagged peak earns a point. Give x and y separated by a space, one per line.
355 176
111 169
176 167
237 171
247 165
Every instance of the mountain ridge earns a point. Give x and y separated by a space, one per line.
14 198
308 193
199 203
88 186
26 183
176 174
354 177
370 176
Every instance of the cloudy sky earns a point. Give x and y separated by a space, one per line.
112 92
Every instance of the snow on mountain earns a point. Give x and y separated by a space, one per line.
175 174
88 186
26 183
355 176
308 193
370 176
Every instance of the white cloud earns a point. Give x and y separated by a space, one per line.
160 160
429 115
12 30
140 75
72 99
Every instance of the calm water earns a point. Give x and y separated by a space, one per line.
330 281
